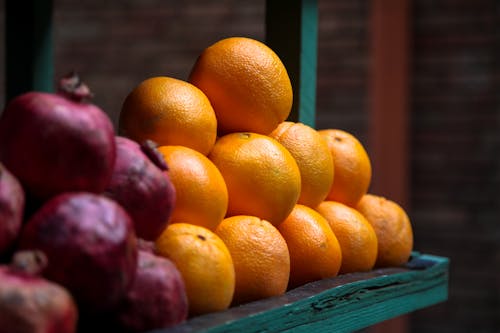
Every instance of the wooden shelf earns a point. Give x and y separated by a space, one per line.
341 304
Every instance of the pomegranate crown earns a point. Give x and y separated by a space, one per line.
148 147
73 87
31 262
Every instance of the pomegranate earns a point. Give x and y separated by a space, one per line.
30 303
55 143
141 185
145 245
90 244
157 298
11 210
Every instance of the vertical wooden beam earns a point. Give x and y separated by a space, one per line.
389 111
28 49
389 92
292 32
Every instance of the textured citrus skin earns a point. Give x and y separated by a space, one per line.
201 193
355 234
393 229
246 83
170 112
314 250
262 177
260 257
205 265
352 167
313 158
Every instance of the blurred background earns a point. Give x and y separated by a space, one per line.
449 112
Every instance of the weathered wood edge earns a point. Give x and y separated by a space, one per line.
343 303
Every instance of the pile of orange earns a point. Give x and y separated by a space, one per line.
263 204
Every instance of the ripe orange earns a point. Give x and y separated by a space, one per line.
313 158
261 175
169 112
352 167
355 234
314 250
393 229
260 257
205 265
201 193
246 83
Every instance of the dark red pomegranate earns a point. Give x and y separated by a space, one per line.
55 143
157 298
30 303
140 183
90 244
11 209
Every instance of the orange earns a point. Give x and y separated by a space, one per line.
260 257
352 167
261 175
314 250
355 234
246 83
204 263
201 193
170 112
313 158
393 229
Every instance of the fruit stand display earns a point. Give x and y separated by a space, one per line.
216 207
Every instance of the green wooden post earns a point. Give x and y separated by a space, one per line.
28 49
292 32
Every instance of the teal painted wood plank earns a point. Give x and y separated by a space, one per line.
292 32
28 46
344 303
371 305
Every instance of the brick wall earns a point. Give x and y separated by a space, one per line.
455 140
117 45
455 157
343 60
